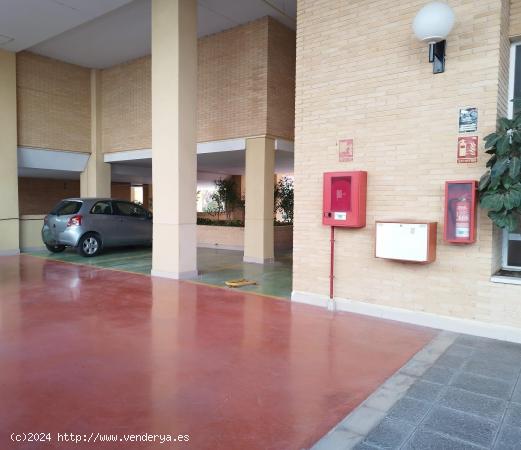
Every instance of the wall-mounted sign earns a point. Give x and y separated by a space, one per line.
345 150
468 120
467 149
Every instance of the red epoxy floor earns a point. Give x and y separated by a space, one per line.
87 350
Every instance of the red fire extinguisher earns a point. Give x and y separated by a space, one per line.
462 222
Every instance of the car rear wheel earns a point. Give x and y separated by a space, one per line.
55 248
89 245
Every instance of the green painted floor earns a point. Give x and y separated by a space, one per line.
215 267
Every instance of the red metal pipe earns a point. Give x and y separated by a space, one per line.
332 264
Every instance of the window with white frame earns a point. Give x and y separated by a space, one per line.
512 241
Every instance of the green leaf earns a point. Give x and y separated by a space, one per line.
506 181
490 136
498 169
492 161
494 184
505 124
515 167
510 222
498 218
491 139
503 145
517 121
510 200
516 197
492 200
494 215
484 181
504 219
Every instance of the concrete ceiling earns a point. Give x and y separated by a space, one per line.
233 163
222 163
226 163
102 33
24 23
209 167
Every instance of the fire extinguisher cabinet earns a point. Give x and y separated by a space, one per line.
460 212
344 199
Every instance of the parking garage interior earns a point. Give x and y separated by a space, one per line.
114 156
206 112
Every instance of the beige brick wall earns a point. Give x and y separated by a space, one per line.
40 195
515 18
232 82
120 191
377 87
245 81
233 237
281 80
126 102
283 237
31 232
53 103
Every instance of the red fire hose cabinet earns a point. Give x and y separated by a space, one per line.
344 199
460 212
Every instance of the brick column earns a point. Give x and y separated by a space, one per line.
95 179
258 227
9 223
174 146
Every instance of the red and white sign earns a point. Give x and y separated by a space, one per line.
467 149
345 150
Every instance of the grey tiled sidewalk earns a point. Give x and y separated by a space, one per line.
468 398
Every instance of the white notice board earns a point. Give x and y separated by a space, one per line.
403 241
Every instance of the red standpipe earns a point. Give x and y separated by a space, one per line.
332 264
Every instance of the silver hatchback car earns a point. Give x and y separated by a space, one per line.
90 224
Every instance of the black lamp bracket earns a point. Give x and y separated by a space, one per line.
437 56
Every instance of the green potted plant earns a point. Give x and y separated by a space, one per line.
226 197
500 187
284 199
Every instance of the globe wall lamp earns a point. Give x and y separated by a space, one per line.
432 25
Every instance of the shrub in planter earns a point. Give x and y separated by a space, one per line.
220 223
203 221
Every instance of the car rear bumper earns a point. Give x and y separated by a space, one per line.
70 236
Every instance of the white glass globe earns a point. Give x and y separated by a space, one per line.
433 22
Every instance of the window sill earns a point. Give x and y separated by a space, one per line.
506 277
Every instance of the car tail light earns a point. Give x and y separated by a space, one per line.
74 221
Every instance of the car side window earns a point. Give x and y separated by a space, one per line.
102 207
129 209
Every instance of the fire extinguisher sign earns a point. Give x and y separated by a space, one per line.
467 149
345 150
